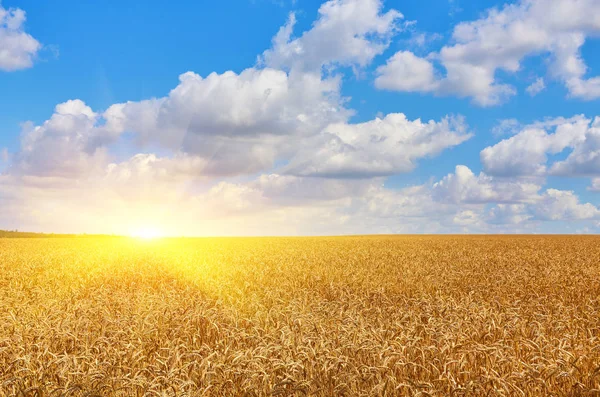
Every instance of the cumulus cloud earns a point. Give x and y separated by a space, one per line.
18 49
346 32
584 159
564 205
474 203
224 124
515 201
508 214
595 186
500 41
467 218
151 168
236 123
380 147
405 71
294 190
463 186
66 145
526 153
202 135
254 102
272 150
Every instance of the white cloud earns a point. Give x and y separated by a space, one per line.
254 102
506 127
347 32
380 147
500 41
463 186
584 160
235 123
406 72
526 153
230 124
125 197
150 167
508 214
66 145
422 208
595 186
18 49
74 143
467 218
564 205
515 201
585 89
294 190
536 87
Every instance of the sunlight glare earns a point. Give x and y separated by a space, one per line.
147 233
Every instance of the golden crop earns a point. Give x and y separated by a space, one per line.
353 316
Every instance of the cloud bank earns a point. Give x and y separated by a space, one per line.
276 149
18 49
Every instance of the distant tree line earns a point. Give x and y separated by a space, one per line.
18 234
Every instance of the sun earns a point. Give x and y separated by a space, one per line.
147 233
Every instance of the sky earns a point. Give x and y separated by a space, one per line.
300 117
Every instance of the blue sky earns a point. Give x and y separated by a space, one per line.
315 160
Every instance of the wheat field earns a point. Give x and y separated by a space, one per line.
339 316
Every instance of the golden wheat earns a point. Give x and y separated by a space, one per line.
351 316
